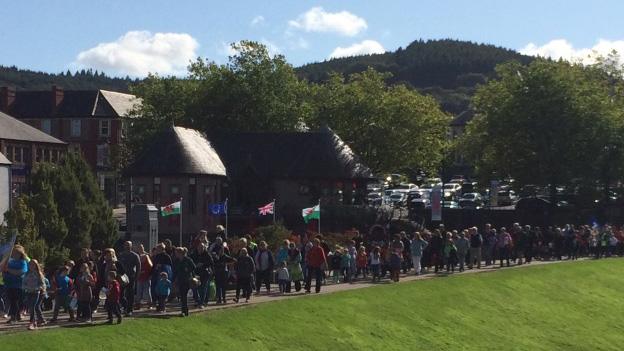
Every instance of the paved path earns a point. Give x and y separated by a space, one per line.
174 309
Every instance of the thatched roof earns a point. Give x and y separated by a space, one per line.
177 151
318 155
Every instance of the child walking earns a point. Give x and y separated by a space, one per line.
84 288
375 263
361 262
163 289
34 288
283 277
113 293
63 297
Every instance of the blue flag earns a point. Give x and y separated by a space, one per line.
218 209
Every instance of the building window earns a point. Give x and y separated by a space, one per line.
192 198
156 193
39 154
139 193
76 127
105 127
9 153
46 155
103 155
75 148
19 156
46 126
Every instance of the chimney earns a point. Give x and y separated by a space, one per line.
7 97
57 96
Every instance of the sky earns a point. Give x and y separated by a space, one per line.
136 37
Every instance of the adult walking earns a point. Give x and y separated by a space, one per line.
417 246
245 269
294 266
315 261
16 268
503 244
264 267
204 267
222 261
476 241
34 287
463 245
184 268
143 289
162 264
132 266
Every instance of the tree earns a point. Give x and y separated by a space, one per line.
21 218
541 124
252 92
389 127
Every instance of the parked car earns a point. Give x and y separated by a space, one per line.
451 189
374 199
507 198
419 199
406 186
451 204
398 199
471 200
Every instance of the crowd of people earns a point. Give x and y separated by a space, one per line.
128 278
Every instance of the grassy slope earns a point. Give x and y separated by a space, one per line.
570 306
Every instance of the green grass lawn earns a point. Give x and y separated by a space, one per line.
568 306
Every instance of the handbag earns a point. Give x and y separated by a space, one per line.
124 280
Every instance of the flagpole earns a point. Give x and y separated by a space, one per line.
181 220
226 219
274 210
319 219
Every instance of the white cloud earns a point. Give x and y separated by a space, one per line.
561 48
226 49
138 53
366 47
257 21
318 20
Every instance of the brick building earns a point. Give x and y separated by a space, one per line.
181 163
24 146
90 121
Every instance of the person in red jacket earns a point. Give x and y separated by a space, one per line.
113 293
316 261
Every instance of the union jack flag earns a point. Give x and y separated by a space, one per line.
267 209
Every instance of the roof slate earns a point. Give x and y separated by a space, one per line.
320 155
13 129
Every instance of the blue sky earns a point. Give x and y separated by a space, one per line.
137 36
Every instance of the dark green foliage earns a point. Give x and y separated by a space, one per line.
65 212
85 79
273 234
21 218
447 69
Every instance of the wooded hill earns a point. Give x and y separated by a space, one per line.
447 69
22 79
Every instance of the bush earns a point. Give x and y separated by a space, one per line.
273 234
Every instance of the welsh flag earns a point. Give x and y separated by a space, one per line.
311 213
172 209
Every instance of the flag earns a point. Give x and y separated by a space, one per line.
218 209
267 209
6 248
173 209
311 213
